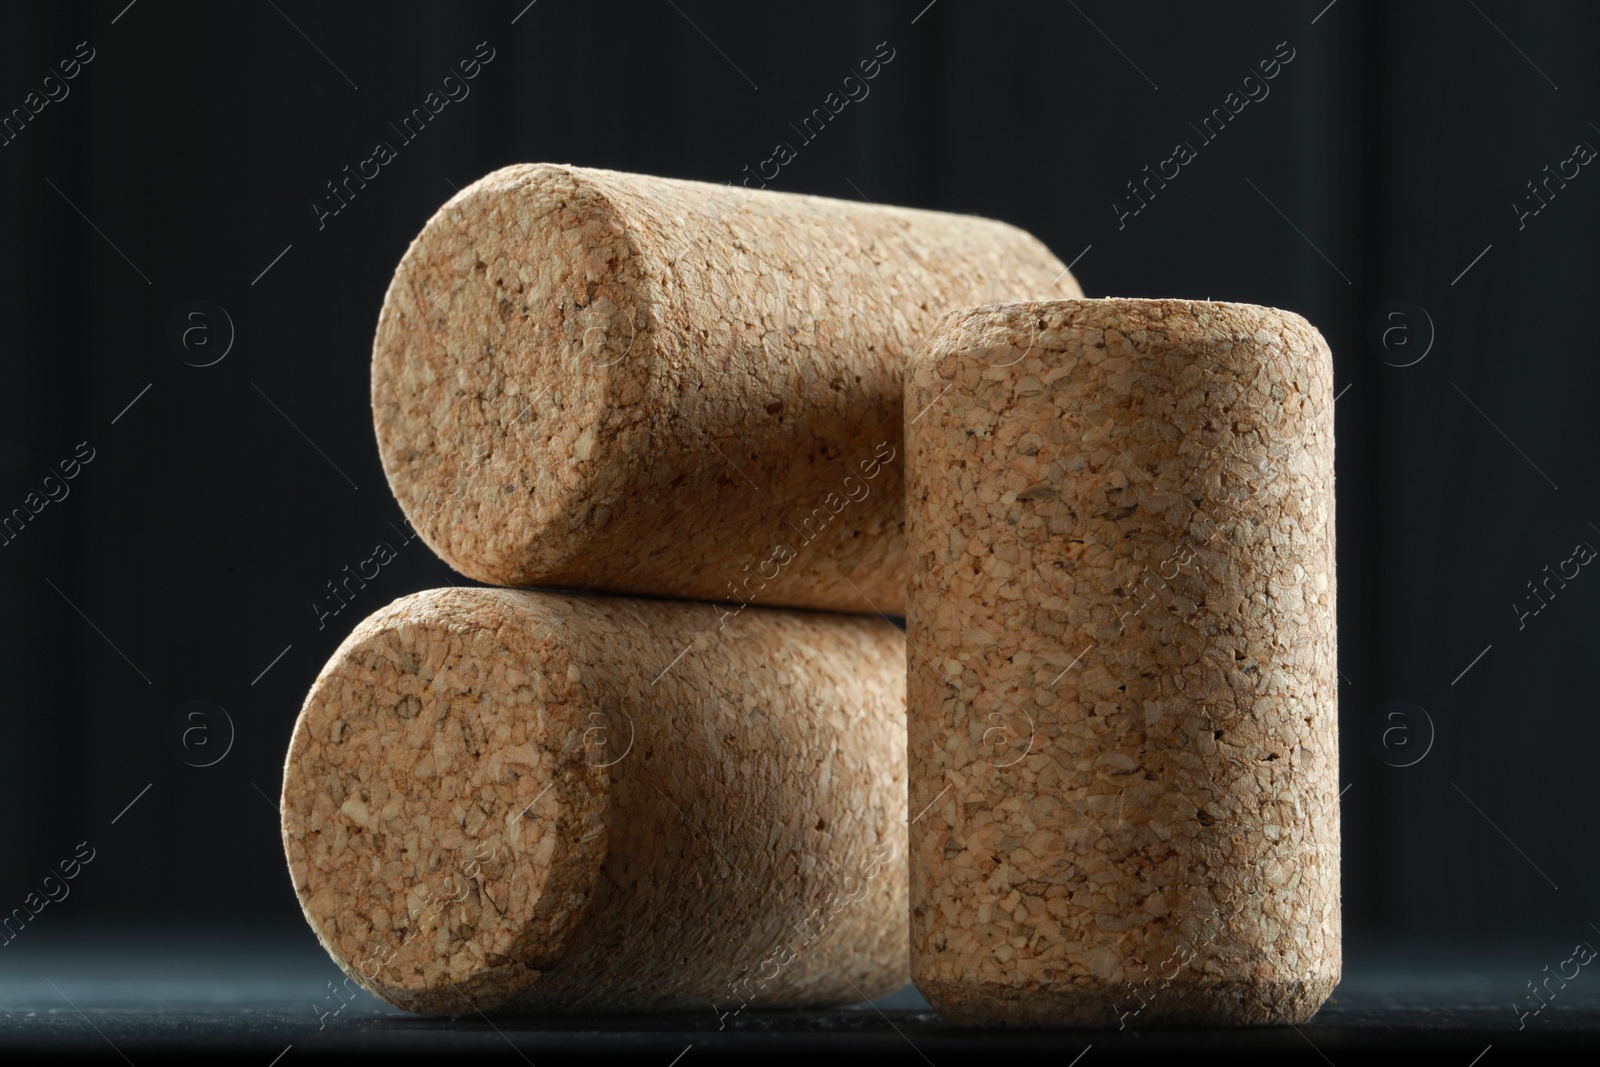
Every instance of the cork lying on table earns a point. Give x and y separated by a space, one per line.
588 379
511 801
1122 699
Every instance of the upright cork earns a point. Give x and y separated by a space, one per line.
593 380
510 801
1122 693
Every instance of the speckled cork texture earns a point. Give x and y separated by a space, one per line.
1122 696
593 380
525 802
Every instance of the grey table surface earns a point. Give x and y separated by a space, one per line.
156 997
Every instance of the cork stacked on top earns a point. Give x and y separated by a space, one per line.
509 800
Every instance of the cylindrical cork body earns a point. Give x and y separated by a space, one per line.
592 380
511 801
1122 697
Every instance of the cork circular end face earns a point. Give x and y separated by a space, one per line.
440 848
511 322
1004 335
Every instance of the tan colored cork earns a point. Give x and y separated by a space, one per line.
512 801
1122 699
593 380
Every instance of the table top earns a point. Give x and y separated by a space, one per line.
131 997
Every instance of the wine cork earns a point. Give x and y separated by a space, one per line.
1122 697
592 380
498 800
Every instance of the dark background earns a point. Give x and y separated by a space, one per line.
191 549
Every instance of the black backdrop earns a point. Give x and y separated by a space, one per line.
182 162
